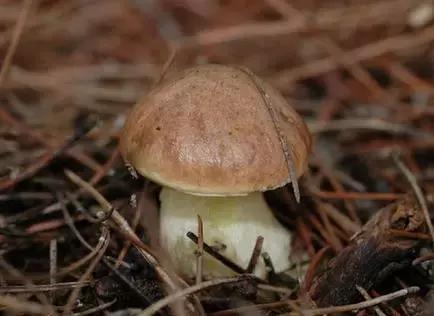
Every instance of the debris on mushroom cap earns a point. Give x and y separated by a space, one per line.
209 131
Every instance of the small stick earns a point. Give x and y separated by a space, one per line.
366 296
188 291
357 306
208 249
256 253
18 30
53 266
199 251
417 191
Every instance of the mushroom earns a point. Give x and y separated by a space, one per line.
215 137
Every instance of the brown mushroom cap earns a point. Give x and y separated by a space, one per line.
209 131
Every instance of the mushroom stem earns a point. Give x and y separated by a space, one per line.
230 224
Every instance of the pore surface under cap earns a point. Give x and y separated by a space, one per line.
208 131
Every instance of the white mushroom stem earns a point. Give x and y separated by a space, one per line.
230 224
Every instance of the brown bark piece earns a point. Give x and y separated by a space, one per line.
373 254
